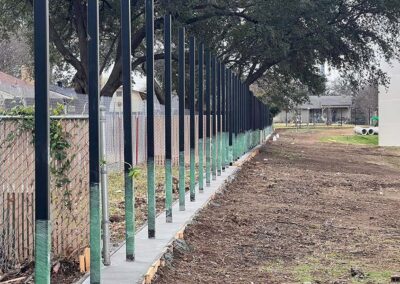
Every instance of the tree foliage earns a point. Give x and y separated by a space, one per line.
281 92
15 53
259 39
293 37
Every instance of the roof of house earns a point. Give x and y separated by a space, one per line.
12 87
68 92
317 102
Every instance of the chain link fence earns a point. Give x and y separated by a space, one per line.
69 203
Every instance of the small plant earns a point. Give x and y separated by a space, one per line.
134 172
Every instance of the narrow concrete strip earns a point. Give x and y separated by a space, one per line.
149 251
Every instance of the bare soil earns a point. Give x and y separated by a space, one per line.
301 211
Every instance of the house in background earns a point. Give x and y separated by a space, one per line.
138 99
138 104
319 109
14 91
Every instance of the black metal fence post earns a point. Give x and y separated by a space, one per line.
252 119
219 133
151 207
181 93
231 122
236 117
214 118
208 118
192 70
168 117
42 143
223 114
241 119
246 108
200 111
94 139
127 122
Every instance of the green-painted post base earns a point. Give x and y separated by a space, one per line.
208 162
43 251
219 154
242 148
168 191
248 140
214 158
182 181
230 154
95 228
226 149
192 176
201 166
129 217
223 152
234 148
151 199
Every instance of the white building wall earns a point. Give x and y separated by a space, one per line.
389 108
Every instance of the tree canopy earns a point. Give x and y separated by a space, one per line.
14 55
261 40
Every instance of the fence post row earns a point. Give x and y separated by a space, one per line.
237 122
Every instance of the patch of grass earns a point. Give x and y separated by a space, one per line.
276 266
379 276
369 140
320 268
303 272
321 126
376 277
326 268
116 194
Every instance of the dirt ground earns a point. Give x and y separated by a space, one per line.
301 211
